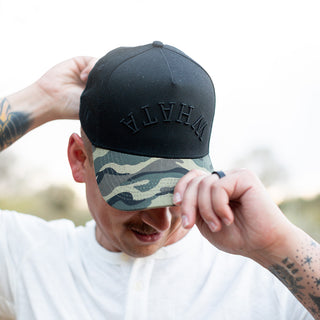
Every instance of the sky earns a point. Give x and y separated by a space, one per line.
263 57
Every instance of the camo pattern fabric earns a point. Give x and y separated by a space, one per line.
129 182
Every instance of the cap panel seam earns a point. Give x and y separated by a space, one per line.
168 65
191 60
111 73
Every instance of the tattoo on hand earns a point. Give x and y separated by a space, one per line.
13 125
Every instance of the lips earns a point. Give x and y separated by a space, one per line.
146 236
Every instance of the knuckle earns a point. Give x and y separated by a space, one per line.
196 181
248 173
205 183
189 207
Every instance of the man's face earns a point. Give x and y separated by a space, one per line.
137 233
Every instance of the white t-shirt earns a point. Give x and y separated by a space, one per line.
58 271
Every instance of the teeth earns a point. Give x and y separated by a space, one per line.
143 233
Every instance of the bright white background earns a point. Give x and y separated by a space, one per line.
263 57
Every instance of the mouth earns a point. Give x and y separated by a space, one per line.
149 236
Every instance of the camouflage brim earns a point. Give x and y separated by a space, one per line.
129 182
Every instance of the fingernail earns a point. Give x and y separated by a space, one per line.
212 226
226 221
185 221
177 198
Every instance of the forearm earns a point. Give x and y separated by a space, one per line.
22 112
297 266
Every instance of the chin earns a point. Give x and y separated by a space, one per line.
141 252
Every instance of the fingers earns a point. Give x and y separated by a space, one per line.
188 208
83 66
183 183
90 62
203 196
213 203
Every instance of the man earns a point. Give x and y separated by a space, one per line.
146 116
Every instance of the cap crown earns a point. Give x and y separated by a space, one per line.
150 100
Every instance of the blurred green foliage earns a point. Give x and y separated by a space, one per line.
54 202
304 213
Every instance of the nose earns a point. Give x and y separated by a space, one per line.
159 218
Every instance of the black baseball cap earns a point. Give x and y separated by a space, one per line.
148 112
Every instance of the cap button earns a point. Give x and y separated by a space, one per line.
158 44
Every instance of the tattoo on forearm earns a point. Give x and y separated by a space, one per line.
286 273
13 125
302 277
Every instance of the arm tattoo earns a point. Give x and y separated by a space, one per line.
13 125
302 277
286 273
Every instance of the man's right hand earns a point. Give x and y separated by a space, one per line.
56 95
63 85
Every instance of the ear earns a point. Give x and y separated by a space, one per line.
77 157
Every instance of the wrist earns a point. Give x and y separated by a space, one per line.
285 245
34 102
